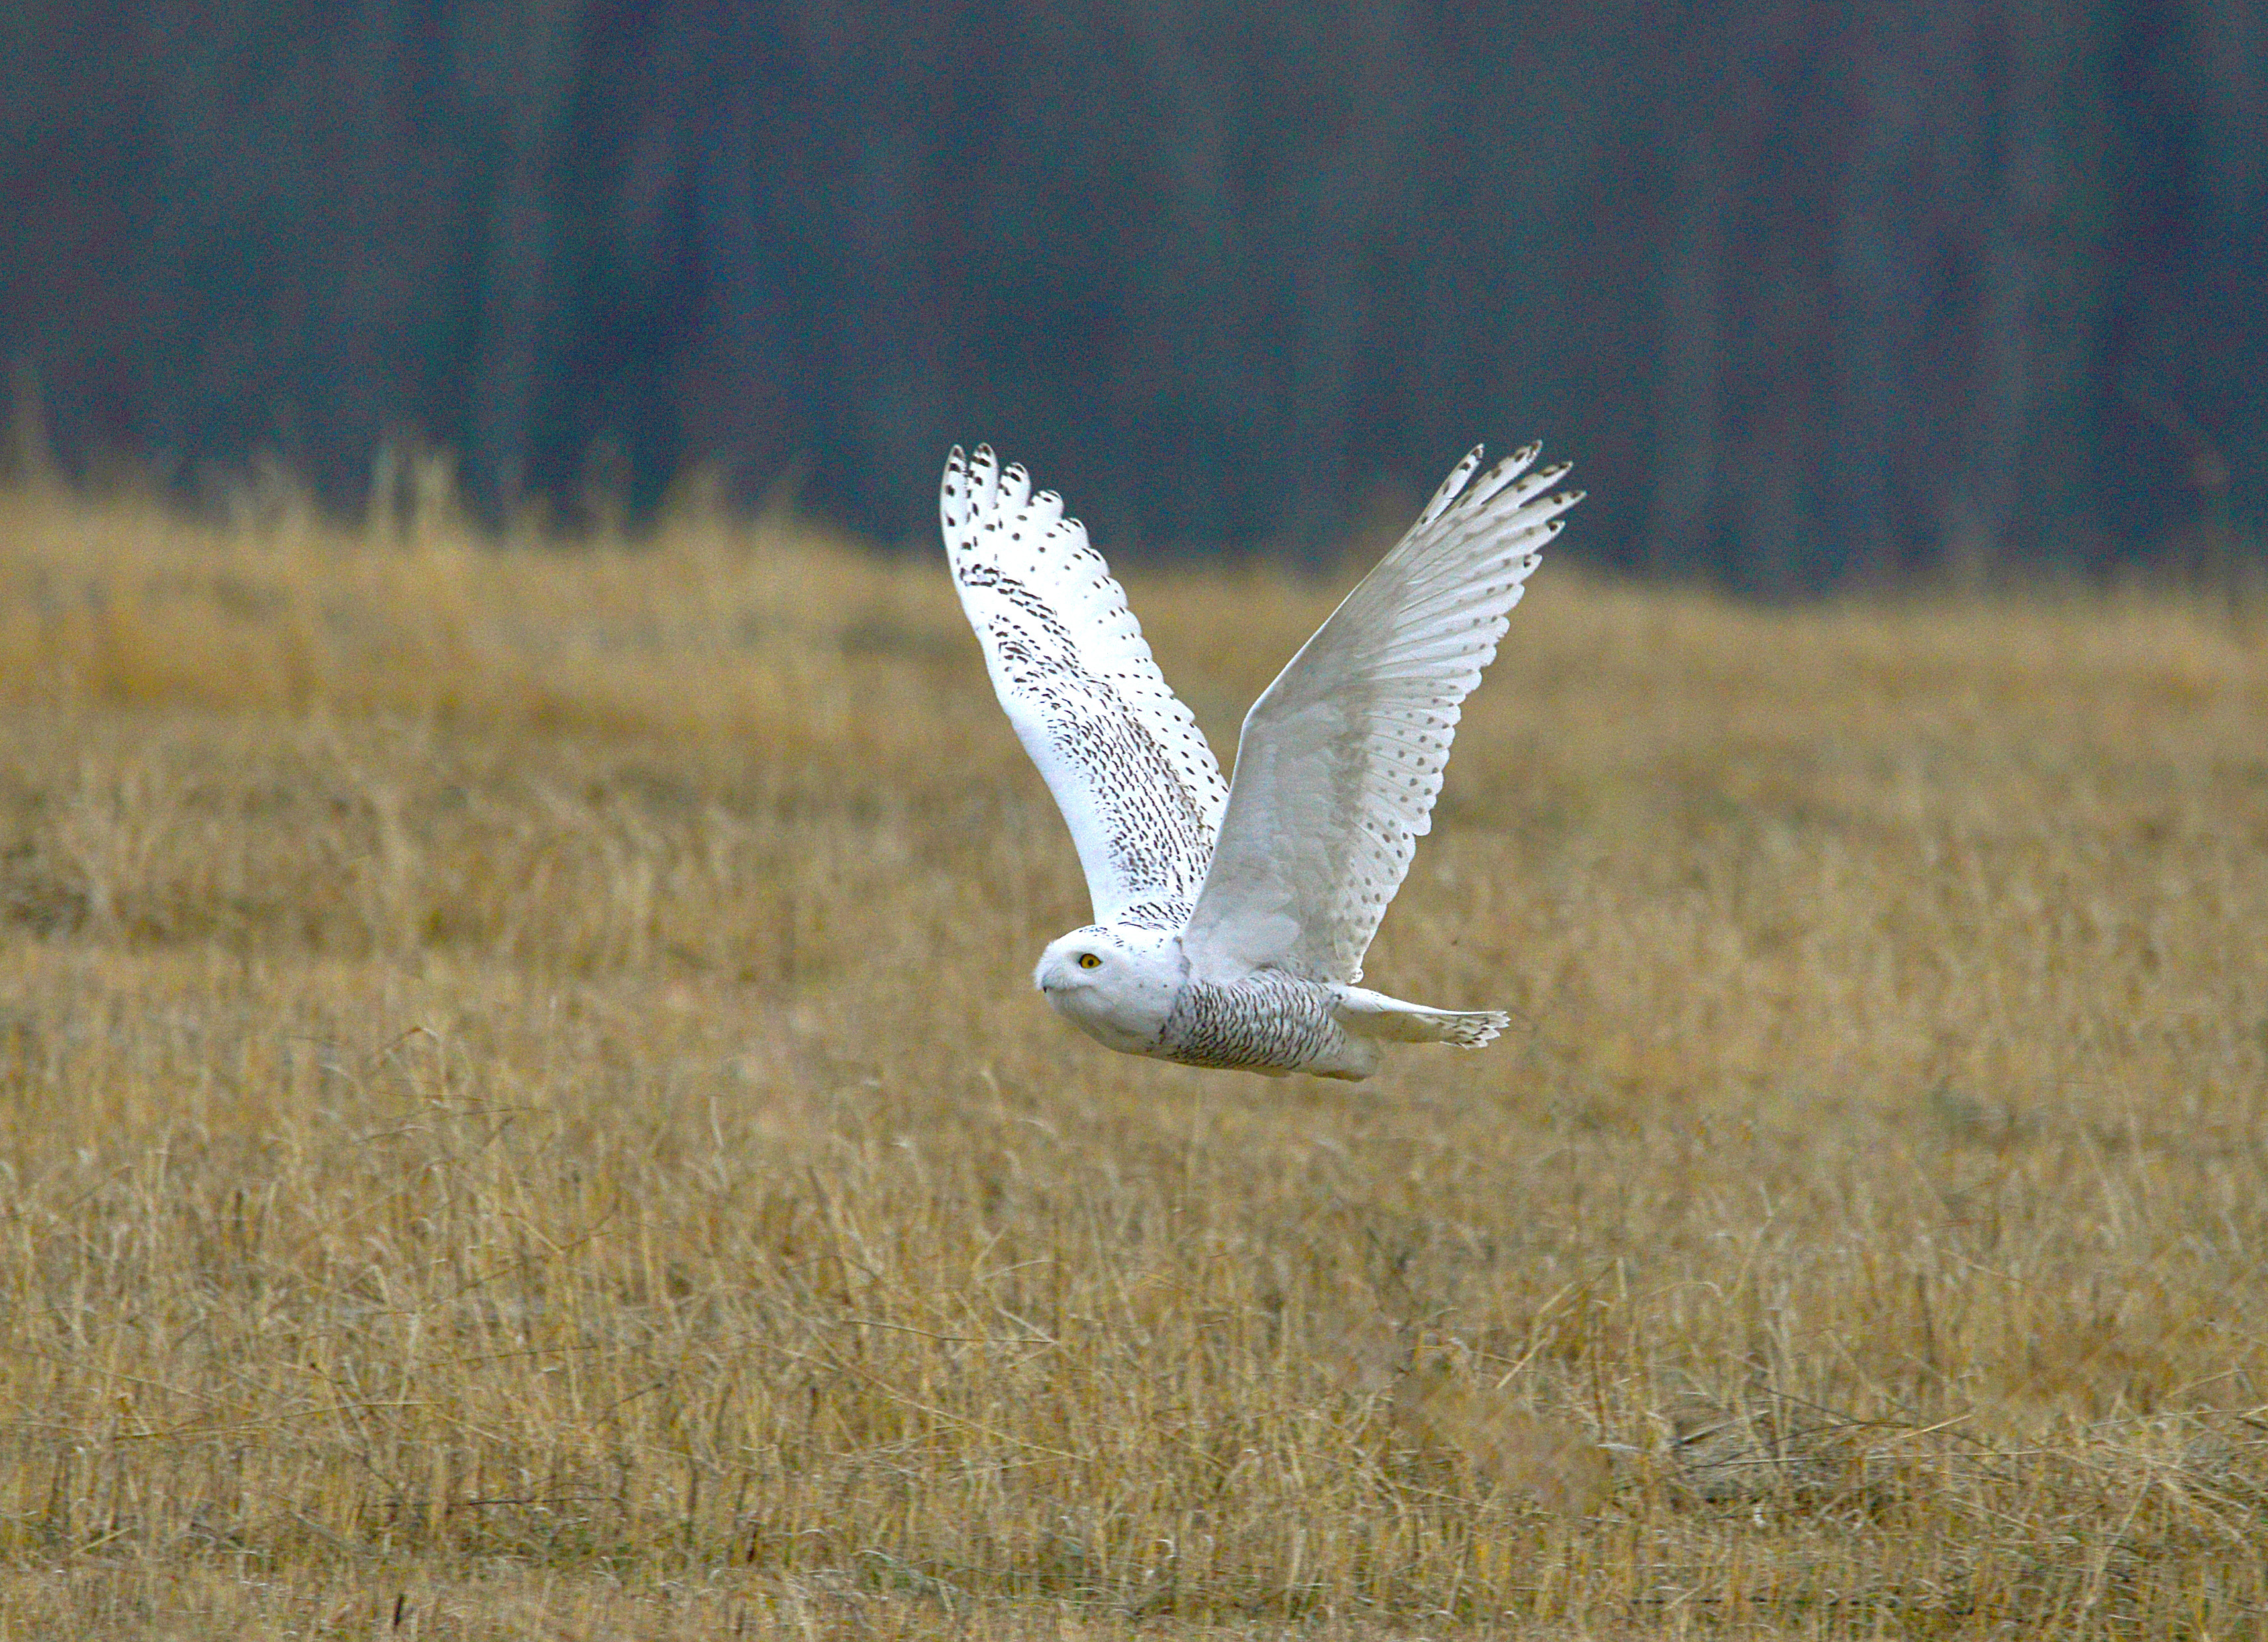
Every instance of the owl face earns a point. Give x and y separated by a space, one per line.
1117 984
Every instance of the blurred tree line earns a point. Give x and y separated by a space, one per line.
1815 293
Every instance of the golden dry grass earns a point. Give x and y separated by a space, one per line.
524 1115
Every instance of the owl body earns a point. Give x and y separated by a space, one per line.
1132 988
1230 917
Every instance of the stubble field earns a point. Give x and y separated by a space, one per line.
522 1113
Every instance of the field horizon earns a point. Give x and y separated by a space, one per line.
523 1112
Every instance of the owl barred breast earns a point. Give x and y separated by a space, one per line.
1268 1022
1230 917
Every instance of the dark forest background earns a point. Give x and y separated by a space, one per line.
1815 294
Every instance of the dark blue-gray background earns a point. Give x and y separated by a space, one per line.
1815 294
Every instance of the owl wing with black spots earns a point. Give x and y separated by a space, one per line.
1129 767
1341 759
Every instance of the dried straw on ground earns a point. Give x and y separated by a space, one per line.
523 1112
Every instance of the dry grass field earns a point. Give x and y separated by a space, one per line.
523 1114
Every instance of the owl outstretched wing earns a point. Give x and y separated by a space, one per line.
1129 767
1341 759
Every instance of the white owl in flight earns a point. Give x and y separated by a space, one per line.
1231 918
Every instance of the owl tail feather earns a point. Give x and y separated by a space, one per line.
1375 1015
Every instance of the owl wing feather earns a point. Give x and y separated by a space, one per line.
1341 759
1129 767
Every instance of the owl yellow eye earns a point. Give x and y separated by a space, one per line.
1088 960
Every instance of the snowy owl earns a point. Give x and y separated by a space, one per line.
1231 918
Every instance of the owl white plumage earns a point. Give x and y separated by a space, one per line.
1230 917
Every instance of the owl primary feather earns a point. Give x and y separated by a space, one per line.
1230 917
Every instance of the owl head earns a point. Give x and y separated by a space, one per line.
1115 983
